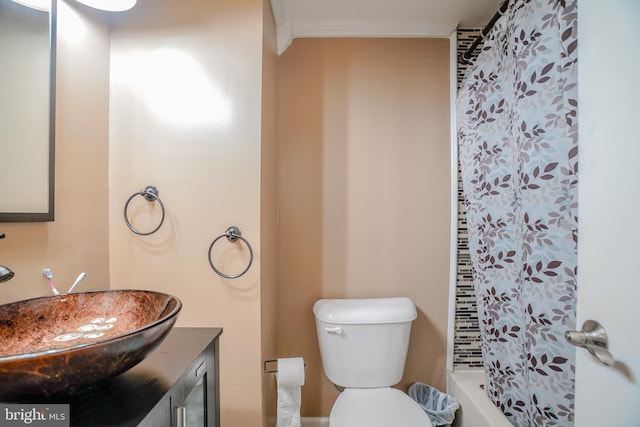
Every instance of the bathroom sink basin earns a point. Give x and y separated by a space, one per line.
65 343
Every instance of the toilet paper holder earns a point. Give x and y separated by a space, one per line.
273 371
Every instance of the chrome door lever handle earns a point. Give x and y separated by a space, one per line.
593 337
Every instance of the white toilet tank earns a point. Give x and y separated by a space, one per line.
364 342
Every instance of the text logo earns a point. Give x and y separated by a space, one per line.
24 414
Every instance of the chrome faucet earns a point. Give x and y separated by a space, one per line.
5 273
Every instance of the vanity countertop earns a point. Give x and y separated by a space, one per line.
141 395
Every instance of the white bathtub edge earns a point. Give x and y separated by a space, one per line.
476 409
314 421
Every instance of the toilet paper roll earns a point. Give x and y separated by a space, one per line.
290 377
290 371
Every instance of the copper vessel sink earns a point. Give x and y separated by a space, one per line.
65 343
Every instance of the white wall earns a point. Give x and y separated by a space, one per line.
608 238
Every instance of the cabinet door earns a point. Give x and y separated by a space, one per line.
213 384
189 403
160 415
195 399
194 410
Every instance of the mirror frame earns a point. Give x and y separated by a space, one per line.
49 215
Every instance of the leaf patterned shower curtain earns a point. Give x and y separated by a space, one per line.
518 135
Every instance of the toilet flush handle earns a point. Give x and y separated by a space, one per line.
337 330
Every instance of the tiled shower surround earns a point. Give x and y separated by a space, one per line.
466 344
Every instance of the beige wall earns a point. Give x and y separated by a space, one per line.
208 170
364 166
268 213
186 79
78 238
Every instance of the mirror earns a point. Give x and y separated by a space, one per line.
27 111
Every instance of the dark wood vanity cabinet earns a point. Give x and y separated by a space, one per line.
177 385
194 398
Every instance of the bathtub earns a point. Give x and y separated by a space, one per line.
314 422
476 409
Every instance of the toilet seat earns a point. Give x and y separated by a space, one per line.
377 407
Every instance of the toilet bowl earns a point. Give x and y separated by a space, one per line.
376 407
363 347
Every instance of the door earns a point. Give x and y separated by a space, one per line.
609 211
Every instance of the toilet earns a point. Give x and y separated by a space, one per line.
363 346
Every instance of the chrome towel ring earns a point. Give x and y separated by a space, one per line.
150 193
232 234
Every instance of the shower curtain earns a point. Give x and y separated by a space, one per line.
518 135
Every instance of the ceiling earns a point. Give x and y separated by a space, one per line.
377 18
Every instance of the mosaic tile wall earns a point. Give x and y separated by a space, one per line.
466 347
466 37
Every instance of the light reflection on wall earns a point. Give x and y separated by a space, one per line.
72 28
177 90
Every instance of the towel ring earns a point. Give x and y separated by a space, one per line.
232 234
150 193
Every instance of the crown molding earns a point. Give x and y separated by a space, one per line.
277 8
287 29
373 30
284 36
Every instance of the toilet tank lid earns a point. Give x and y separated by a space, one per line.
365 311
